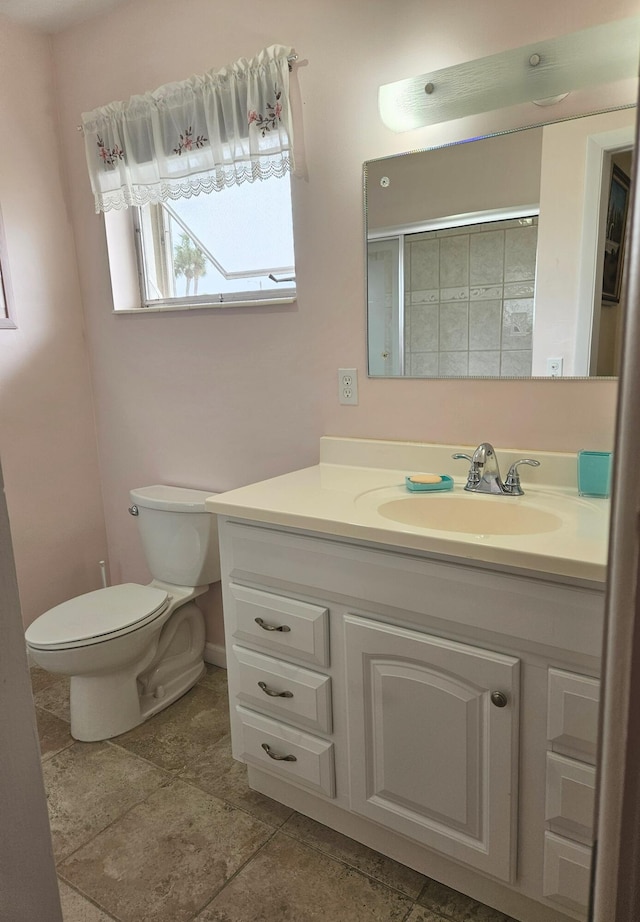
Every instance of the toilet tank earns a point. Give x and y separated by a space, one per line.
180 539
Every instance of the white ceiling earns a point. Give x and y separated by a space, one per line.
53 15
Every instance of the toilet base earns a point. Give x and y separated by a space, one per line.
106 706
167 694
111 703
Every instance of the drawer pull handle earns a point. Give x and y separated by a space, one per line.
274 694
272 755
499 699
271 627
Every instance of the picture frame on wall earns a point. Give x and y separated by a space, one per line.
617 211
7 321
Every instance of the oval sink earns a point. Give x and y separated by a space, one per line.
489 516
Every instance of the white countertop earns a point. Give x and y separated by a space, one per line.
348 500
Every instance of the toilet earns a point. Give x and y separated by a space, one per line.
131 650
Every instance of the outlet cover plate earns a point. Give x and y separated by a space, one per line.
348 386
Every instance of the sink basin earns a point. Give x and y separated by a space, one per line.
471 515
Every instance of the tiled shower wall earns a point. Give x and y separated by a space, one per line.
469 299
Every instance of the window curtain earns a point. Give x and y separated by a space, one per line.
199 135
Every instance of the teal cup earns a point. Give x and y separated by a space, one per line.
594 473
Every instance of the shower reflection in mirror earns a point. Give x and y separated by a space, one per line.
492 258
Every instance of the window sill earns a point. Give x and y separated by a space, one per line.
171 308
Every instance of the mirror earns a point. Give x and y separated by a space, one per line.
486 258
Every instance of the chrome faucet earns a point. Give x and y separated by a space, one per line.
484 472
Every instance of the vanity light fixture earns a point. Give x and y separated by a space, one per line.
544 73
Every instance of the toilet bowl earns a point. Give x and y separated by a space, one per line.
131 650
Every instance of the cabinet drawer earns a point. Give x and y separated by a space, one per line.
572 717
570 796
278 623
567 868
291 692
311 763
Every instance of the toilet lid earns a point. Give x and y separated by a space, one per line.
94 616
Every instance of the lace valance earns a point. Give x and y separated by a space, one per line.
199 135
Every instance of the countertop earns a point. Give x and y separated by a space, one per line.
348 500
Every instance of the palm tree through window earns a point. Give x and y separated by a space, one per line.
189 262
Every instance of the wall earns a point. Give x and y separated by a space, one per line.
29 888
488 175
612 313
560 310
47 433
217 399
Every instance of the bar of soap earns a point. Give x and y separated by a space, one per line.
425 478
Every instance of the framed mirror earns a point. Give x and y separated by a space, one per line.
496 257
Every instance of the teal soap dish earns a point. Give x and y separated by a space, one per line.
445 484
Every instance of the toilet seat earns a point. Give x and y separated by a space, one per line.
97 616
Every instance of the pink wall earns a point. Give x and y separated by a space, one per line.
496 173
559 301
218 399
47 434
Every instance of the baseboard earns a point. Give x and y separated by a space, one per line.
215 654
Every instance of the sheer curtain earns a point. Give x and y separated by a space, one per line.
198 135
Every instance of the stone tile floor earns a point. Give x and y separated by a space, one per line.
159 825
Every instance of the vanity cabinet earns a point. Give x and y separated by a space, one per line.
572 726
433 732
273 696
439 711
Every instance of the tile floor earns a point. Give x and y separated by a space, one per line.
159 825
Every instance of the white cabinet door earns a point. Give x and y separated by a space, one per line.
431 756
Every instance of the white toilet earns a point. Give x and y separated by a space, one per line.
131 650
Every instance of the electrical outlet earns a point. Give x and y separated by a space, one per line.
554 368
348 386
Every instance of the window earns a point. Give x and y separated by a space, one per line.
201 172
233 246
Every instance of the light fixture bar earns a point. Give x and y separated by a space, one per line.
536 72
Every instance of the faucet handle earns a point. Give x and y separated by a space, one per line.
473 477
460 456
512 483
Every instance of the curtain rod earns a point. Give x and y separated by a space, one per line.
292 58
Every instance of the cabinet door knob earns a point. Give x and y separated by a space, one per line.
499 699
273 755
274 694
272 627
